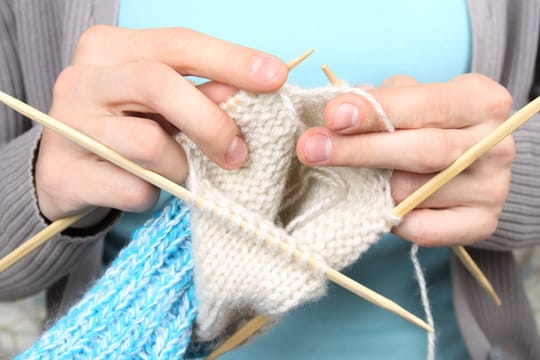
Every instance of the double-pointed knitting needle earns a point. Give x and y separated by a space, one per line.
184 194
62 224
427 190
331 76
466 159
296 61
40 238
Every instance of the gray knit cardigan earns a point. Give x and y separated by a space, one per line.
37 39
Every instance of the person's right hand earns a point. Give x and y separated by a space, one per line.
126 89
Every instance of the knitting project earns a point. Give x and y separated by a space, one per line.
145 304
334 214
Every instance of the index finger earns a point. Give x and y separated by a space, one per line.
187 51
462 102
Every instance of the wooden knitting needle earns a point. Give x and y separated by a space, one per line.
295 62
497 135
40 238
184 194
432 186
61 224
331 76
240 336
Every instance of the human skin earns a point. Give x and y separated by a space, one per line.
126 88
435 123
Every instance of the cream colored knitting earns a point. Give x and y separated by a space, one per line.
333 214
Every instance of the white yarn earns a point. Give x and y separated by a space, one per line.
425 301
333 214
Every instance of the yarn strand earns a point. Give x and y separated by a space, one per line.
419 274
156 179
144 305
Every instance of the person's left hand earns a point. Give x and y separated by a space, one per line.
435 123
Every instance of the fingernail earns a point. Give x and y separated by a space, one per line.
318 148
237 152
265 67
346 116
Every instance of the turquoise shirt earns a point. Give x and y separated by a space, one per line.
363 42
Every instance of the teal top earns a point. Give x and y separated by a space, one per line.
363 42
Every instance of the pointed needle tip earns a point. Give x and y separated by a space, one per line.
295 62
331 76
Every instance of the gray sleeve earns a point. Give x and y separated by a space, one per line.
19 216
489 331
519 223
505 42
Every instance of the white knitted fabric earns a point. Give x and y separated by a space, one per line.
333 214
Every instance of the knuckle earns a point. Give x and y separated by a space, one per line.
479 83
47 175
219 134
479 78
488 225
137 195
499 187
157 79
51 183
67 82
399 80
506 151
438 151
155 71
183 41
402 185
149 141
498 102
93 39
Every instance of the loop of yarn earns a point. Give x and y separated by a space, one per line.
144 306
333 214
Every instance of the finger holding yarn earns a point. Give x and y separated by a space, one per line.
236 277
145 304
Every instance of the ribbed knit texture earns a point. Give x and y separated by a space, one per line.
10 76
144 305
504 48
519 220
33 49
505 322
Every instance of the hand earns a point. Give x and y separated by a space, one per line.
435 123
126 89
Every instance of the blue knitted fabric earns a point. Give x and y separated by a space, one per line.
142 308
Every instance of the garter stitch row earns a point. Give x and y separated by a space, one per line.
334 214
144 306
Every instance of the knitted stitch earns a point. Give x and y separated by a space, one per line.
144 305
332 213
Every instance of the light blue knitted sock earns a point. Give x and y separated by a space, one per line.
144 305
